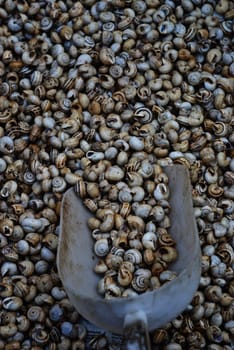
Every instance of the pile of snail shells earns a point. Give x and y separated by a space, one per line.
130 226
165 69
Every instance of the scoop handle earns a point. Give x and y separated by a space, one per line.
136 334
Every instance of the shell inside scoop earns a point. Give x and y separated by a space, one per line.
76 260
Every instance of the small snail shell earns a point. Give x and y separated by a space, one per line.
21 289
58 184
125 195
133 255
31 224
136 143
36 314
3 240
194 78
167 254
15 23
117 251
141 280
23 323
6 290
95 156
47 254
112 290
138 193
121 240
90 204
8 330
142 210
107 56
3 165
165 239
108 222
124 276
219 229
166 276
26 267
6 145
8 268
157 213
12 303
56 313
161 192
100 267
114 173
41 267
125 209
102 247
146 169
144 115
9 254
135 243
134 179
149 256
149 240
166 27
58 293
136 223
43 298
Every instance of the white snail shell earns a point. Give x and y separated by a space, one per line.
149 240
101 247
133 255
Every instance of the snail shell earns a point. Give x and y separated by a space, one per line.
124 276
90 204
128 293
6 145
102 247
149 256
6 290
166 239
142 210
141 280
9 253
8 330
143 115
36 314
167 276
124 195
136 143
133 255
161 192
121 239
31 224
136 223
100 267
21 289
157 213
12 303
26 267
114 173
112 290
138 193
107 56
167 254
125 209
149 240
146 169
41 267
23 323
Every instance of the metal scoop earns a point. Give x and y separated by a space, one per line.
134 316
